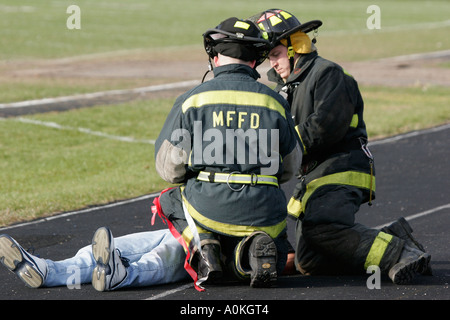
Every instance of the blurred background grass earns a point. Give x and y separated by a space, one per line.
45 171
37 28
34 33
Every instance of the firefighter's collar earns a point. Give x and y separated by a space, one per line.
236 68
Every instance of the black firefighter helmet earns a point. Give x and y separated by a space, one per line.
241 39
280 24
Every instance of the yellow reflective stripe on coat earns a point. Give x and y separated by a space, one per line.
294 207
232 229
350 178
355 121
233 97
188 236
301 140
377 249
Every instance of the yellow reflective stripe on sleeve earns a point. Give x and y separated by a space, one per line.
377 249
355 120
231 229
233 97
347 73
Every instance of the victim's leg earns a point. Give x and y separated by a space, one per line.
140 259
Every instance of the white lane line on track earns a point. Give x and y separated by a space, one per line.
55 125
45 101
71 213
169 292
409 135
418 215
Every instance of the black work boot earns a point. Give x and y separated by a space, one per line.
209 265
263 260
411 262
403 230
256 258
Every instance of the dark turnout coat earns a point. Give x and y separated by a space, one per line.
328 113
228 129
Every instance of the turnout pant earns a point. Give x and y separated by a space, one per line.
328 241
171 205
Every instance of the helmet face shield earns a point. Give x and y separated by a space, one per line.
240 39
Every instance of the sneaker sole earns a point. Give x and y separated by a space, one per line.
101 243
11 257
99 278
30 276
264 258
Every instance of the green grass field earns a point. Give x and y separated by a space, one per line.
44 170
37 29
34 33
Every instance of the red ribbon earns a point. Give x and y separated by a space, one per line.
156 208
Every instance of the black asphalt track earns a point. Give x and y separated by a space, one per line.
412 181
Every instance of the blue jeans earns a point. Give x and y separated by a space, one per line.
155 257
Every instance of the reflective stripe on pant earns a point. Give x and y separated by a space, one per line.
329 242
349 178
172 205
377 249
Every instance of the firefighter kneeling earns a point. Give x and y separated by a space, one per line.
230 216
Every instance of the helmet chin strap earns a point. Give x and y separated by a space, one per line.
290 52
210 68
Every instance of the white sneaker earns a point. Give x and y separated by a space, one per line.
110 269
30 269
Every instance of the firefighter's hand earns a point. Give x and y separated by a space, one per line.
289 269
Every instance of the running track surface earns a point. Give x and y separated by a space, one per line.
412 181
